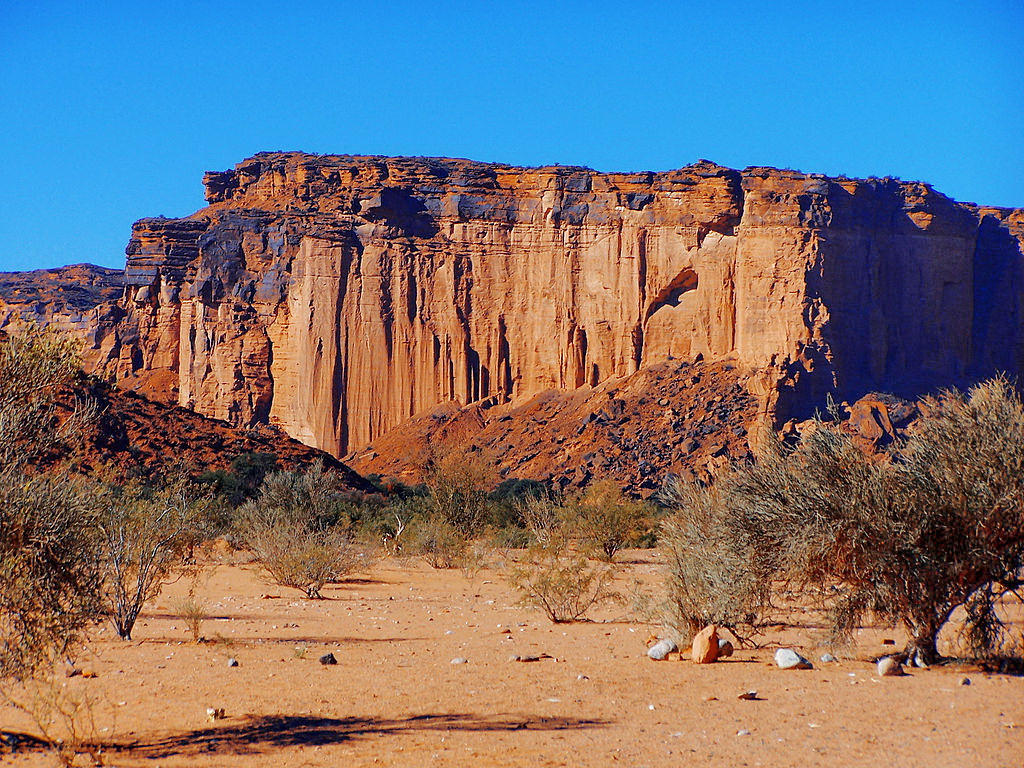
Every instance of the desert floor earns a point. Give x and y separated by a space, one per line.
395 698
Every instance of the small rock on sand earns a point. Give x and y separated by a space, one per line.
705 645
661 649
787 658
890 666
328 658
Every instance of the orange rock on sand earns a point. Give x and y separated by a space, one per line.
705 645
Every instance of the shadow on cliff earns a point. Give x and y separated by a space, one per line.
399 208
260 733
912 306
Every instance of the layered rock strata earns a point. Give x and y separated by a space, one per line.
338 296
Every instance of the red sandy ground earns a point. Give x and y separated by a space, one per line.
395 699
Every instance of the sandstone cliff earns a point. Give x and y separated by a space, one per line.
338 296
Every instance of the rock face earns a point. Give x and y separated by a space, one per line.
338 296
80 298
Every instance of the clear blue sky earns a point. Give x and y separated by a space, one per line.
111 111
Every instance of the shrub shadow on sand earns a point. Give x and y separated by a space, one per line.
259 733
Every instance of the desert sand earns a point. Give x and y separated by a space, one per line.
594 698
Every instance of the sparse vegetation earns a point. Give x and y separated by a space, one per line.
565 586
144 533
298 532
937 525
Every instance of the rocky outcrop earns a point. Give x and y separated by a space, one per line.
66 297
673 417
131 431
337 297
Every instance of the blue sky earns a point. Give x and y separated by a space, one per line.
111 111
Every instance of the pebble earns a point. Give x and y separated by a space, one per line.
965 681
582 677
460 660
748 696
725 648
889 666
704 649
232 662
827 658
328 658
743 732
661 649
787 658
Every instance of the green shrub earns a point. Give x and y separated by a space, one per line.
604 518
565 586
298 528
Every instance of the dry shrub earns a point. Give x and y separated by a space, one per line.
604 518
68 717
49 576
297 528
458 483
439 542
565 586
936 526
193 609
36 365
303 557
542 516
144 534
714 573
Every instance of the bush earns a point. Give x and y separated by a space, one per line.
713 571
605 518
49 569
564 586
542 516
439 542
457 484
303 557
49 580
937 524
297 528
37 365
144 533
